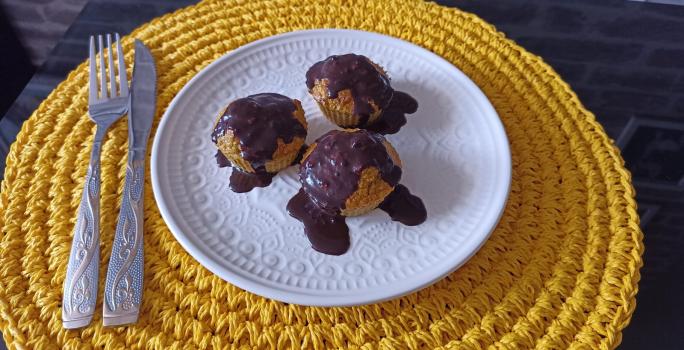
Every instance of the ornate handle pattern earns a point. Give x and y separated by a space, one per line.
80 286
123 288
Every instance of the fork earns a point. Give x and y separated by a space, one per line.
104 108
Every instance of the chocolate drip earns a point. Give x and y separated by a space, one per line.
221 160
357 74
331 173
328 233
300 155
393 117
404 207
241 182
258 121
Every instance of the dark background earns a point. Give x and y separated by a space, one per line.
625 59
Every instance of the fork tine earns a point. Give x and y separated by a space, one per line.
92 93
103 74
110 66
123 79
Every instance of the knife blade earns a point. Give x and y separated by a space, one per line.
124 284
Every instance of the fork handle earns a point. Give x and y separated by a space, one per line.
124 284
80 286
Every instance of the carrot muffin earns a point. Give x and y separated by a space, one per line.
351 90
260 134
349 173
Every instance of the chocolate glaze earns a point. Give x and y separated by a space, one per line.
330 174
404 207
241 182
258 121
221 160
356 73
393 117
328 233
300 155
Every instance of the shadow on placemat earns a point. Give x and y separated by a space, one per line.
2 343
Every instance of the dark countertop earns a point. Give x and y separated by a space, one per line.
624 59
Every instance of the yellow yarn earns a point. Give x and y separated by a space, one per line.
560 271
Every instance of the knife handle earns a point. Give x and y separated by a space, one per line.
124 284
80 285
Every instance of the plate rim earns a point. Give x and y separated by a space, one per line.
302 298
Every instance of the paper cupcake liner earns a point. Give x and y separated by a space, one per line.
277 165
343 119
239 162
363 209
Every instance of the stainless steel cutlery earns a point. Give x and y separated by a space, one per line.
123 289
104 108
109 101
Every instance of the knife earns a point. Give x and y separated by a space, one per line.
124 285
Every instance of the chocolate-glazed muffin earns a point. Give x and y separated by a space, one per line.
349 171
354 92
260 134
351 90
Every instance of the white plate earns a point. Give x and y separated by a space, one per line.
454 150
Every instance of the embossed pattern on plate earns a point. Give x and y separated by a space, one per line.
454 150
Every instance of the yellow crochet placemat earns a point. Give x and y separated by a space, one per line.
560 271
